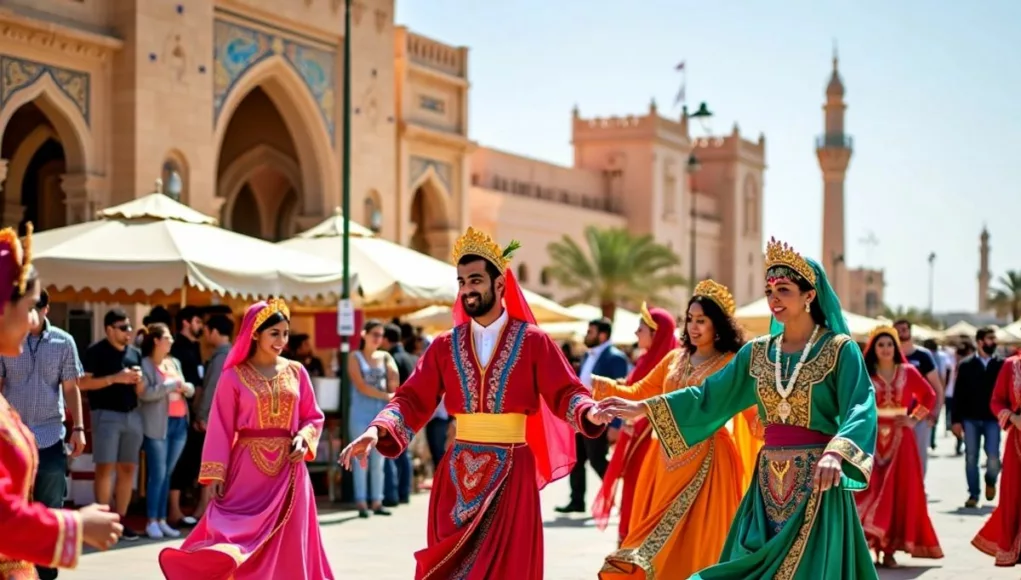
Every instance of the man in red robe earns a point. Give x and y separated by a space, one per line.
510 391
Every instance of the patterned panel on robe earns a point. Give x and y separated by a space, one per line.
814 371
478 471
492 380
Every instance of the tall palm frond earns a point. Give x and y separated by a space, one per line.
1006 297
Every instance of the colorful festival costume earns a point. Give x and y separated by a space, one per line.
1000 537
635 440
266 520
784 529
30 533
484 518
683 505
894 510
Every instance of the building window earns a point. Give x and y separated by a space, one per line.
522 273
431 104
544 277
669 195
871 301
173 180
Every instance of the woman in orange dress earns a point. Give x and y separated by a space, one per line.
749 437
1000 537
683 507
656 337
893 509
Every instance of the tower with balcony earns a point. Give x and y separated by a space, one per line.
833 148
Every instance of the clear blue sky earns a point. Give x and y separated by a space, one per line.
933 92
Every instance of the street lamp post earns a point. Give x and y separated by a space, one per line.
344 316
703 116
693 166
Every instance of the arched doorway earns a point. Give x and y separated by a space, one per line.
36 163
432 225
259 169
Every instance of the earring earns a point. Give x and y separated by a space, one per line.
808 306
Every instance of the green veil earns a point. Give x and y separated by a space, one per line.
828 301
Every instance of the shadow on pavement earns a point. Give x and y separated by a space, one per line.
568 522
904 573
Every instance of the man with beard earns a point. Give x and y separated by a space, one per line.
515 400
973 417
608 361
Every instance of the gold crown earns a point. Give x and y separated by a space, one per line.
273 305
885 329
478 243
648 319
718 293
780 254
22 253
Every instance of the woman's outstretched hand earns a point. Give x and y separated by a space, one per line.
627 410
360 448
828 472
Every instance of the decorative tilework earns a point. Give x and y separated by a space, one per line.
237 48
17 74
419 165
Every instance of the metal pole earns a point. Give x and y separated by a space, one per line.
932 280
691 245
345 193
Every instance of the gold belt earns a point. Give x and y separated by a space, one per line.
891 412
504 428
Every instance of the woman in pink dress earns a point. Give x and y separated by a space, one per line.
264 424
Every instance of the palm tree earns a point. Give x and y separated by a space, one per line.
1007 296
617 268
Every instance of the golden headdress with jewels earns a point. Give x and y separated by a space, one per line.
648 319
718 293
478 243
783 256
20 253
885 329
273 305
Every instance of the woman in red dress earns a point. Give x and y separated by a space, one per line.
893 510
31 533
1001 536
657 336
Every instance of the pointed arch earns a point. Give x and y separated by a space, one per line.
18 163
72 129
300 113
241 170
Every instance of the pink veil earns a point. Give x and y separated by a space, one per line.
243 343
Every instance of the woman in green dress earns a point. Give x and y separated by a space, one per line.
808 378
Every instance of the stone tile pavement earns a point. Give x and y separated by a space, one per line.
382 548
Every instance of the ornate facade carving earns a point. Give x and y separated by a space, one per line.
17 74
419 165
85 194
53 39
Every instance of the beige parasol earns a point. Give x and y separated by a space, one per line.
397 278
155 248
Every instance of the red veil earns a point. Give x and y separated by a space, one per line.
550 438
663 341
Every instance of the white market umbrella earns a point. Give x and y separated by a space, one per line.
625 323
391 275
155 246
755 318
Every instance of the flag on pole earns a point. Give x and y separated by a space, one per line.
680 98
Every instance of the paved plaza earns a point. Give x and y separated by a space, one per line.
381 548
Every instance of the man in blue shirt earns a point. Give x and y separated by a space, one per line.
40 384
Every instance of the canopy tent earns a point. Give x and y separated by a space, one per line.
961 329
154 249
625 323
755 318
399 279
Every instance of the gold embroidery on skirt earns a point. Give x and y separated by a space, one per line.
269 454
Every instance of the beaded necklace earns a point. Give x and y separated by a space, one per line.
784 409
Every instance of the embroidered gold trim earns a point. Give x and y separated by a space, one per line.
269 454
662 419
311 435
814 371
921 412
644 555
852 454
212 471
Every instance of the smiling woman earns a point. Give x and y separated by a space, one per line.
808 379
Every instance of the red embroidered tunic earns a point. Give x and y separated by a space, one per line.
30 533
484 517
893 510
1000 537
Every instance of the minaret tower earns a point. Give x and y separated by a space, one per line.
983 273
833 148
